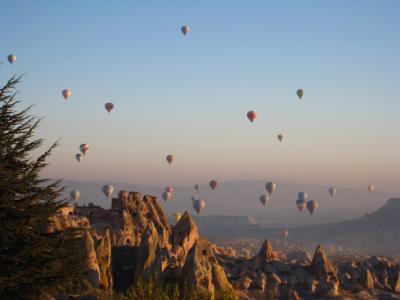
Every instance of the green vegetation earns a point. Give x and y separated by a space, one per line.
153 290
32 260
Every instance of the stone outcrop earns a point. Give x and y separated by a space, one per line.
103 254
133 240
66 218
146 255
325 273
128 218
184 236
202 273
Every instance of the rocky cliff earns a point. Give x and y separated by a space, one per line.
133 241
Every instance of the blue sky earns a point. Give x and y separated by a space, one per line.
189 95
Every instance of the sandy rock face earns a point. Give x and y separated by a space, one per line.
146 253
202 272
266 253
103 253
128 219
91 264
66 218
184 235
325 273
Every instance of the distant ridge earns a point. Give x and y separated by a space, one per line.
375 233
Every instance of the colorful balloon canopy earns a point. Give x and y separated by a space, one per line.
74 195
66 94
213 184
301 204
300 93
270 187
185 29
285 233
169 189
170 158
264 199
84 148
12 58
371 188
199 205
79 157
251 115
108 189
166 196
312 206
109 107
302 195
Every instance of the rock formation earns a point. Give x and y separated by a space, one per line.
202 273
133 241
184 235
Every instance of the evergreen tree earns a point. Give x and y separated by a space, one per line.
33 260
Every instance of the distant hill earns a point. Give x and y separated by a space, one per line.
378 232
240 198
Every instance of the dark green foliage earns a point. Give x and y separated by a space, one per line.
32 260
152 289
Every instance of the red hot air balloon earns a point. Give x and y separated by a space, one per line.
169 189
251 115
170 158
109 107
213 184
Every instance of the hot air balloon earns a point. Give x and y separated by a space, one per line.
193 198
332 191
108 189
169 189
301 204
170 158
75 195
166 196
109 107
270 187
300 93
12 58
371 188
199 205
84 148
312 206
302 195
177 216
213 184
196 187
285 233
66 94
251 115
185 29
78 157
264 199
280 137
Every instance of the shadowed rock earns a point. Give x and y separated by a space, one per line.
325 273
184 235
202 272
146 253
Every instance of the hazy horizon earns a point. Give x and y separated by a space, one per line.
189 95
